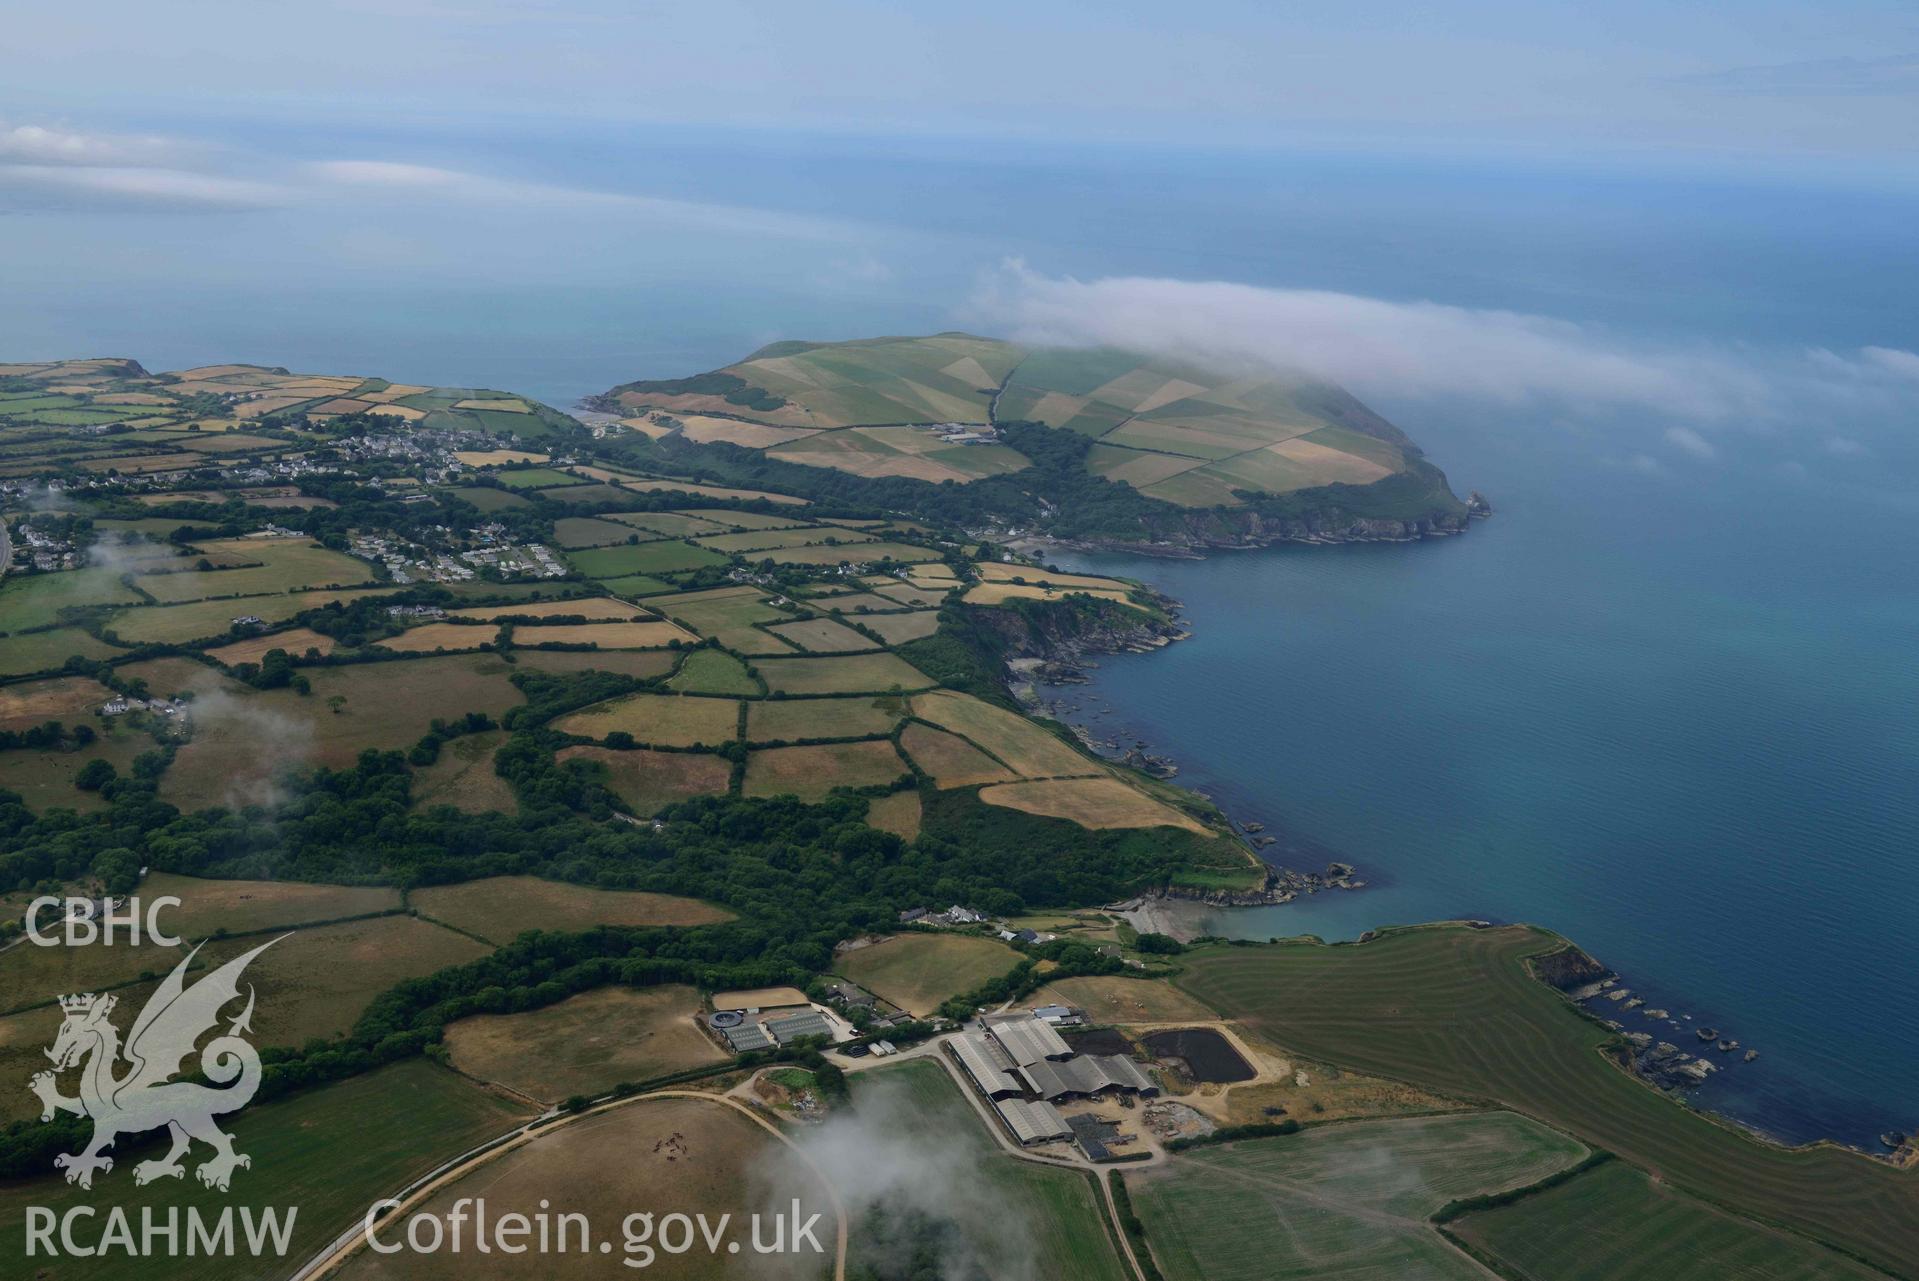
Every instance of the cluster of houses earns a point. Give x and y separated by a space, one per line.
963 916
121 704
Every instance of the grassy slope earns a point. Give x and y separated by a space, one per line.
1612 1223
1456 1010
1338 1200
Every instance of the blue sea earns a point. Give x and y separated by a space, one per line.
1663 702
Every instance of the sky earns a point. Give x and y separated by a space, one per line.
1754 77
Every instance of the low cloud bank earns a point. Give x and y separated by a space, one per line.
1430 349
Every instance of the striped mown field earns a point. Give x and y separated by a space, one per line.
1456 1010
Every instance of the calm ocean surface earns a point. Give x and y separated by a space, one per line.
1668 709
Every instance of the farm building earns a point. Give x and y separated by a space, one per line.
1027 1040
792 1027
1033 1123
1085 1075
986 1063
745 1037
1023 1057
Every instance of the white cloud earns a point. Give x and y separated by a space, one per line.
1422 349
1845 447
1903 363
136 185
1689 441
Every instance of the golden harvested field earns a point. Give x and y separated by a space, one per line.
822 636
243 738
500 908
651 781
917 972
1090 802
1026 749
600 608
586 1044
60 698
858 674
653 635
429 637
498 457
242 906
178 624
1118 1000
811 773
295 642
735 519
900 628
706 431
928 597
694 1156
790 719
663 720
643 663
463 777
1000 593
950 760
995 572
896 812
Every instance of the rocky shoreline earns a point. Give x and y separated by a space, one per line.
1601 993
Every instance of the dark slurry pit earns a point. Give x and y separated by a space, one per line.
1209 1057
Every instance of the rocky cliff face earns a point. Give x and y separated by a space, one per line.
1195 533
1063 634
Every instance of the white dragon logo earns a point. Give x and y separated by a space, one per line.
143 1098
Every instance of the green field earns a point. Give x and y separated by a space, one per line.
823 636
919 971
1456 1011
1349 1200
1012 1218
664 557
243 738
37 599
720 609
658 720
178 624
536 478
489 499
46 651
787 720
712 671
1612 1223
499 908
287 564
329 1152
856 674
589 531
